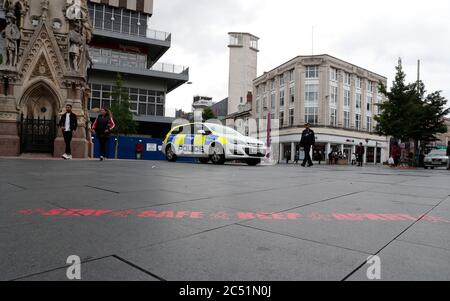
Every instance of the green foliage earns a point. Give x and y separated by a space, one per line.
409 114
208 114
120 108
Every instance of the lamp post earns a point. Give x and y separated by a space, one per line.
268 130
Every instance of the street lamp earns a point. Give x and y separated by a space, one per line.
268 130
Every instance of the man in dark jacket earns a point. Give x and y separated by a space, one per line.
68 124
308 140
360 154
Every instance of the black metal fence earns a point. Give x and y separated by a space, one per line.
37 135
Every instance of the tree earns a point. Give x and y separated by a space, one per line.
120 108
208 114
410 114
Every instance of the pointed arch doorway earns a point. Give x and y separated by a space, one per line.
39 110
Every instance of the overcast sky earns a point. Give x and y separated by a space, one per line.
370 34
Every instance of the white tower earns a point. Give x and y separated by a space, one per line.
243 68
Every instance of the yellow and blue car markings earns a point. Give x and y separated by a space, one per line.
194 143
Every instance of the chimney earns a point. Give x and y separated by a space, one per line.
249 97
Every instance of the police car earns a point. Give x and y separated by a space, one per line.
212 142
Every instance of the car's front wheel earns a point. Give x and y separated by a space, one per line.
253 162
217 154
170 154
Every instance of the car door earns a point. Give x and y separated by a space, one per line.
200 136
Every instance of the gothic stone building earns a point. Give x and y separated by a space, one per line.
44 67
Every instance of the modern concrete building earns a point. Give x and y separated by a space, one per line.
125 43
338 98
220 109
242 68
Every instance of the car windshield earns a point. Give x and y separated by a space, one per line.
437 153
220 129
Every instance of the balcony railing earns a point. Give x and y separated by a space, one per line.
170 68
108 57
149 33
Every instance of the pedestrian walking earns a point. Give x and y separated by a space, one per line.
360 154
68 124
308 140
448 155
102 127
396 153
297 156
287 154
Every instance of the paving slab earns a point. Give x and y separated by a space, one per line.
105 269
403 261
243 254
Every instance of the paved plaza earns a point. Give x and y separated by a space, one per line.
152 221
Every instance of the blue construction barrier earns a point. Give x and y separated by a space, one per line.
151 148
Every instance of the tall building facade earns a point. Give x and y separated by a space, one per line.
125 43
242 69
338 98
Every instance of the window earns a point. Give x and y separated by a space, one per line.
257 105
312 71
281 119
333 74
358 82
333 117
118 19
282 98
370 86
142 101
281 80
346 98
118 58
358 101
272 85
236 39
253 43
346 119
312 94
333 96
264 103
358 121
291 117
272 100
369 124
292 94
312 115
291 76
369 103
347 79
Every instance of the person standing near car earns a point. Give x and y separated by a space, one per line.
360 154
102 127
308 140
68 124
448 155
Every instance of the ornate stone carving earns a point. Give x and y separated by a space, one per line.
44 6
42 69
12 35
74 11
77 42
